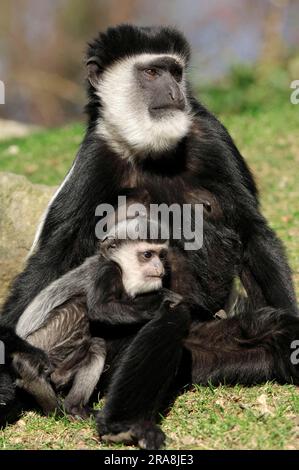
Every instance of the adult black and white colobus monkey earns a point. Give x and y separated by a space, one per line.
146 130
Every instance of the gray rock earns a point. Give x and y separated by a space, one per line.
21 207
10 129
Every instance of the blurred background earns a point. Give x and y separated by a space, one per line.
42 45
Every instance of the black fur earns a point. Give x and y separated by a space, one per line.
126 409
250 348
128 40
237 240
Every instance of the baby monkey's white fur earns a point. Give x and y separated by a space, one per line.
125 122
138 279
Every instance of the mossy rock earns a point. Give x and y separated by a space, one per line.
21 207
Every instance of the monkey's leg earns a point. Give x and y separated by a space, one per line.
35 382
86 379
249 348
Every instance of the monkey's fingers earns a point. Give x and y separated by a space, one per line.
172 299
146 434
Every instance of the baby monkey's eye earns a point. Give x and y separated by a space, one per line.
147 254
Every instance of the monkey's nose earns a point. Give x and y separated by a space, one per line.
172 94
160 272
177 97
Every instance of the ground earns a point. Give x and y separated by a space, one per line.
265 127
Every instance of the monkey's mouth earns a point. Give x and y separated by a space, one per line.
167 108
157 277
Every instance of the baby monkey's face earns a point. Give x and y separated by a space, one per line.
152 261
142 264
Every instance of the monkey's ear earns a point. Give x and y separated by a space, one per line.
108 243
94 70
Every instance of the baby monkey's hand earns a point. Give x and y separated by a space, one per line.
170 298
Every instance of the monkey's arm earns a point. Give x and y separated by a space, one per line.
73 283
265 264
131 312
268 265
107 303
118 313
148 366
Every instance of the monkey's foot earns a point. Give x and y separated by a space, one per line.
34 363
146 434
78 412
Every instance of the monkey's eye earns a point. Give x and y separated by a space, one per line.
207 205
163 255
147 254
151 73
112 246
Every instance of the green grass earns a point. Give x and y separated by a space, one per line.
261 417
44 157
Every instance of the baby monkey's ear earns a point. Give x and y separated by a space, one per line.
107 246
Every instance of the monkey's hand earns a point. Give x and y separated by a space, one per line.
34 360
41 359
171 299
145 434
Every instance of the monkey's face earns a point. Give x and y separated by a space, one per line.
145 109
142 264
161 82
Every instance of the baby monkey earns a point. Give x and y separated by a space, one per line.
121 285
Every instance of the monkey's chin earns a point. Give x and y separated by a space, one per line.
151 284
134 286
154 283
